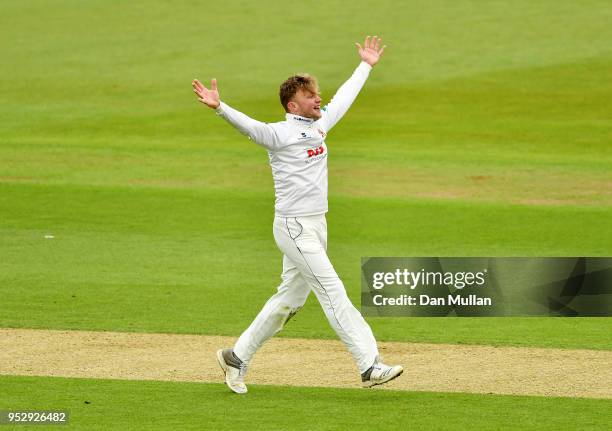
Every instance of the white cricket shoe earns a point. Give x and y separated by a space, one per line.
380 373
234 370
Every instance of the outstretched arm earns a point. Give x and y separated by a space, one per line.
261 133
370 54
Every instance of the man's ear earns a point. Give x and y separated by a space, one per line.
292 107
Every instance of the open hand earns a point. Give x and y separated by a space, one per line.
208 97
371 50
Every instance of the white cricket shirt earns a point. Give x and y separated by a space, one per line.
297 150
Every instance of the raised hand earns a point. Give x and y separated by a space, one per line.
371 50
208 97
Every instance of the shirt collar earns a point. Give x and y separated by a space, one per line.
298 119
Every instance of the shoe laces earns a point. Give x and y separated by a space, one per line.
242 372
381 368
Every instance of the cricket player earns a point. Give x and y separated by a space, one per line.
298 158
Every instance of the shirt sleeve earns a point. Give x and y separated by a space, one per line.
345 96
261 133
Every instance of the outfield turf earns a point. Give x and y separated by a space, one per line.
491 142
122 257
484 131
113 404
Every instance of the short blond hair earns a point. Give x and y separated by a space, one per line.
295 83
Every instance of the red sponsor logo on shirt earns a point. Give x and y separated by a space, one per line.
316 151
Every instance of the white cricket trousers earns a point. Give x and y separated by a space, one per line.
306 267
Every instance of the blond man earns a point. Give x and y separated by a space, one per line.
298 158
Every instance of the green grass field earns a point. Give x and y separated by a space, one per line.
113 404
484 131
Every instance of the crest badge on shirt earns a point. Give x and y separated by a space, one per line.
322 133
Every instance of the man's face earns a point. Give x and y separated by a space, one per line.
306 104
